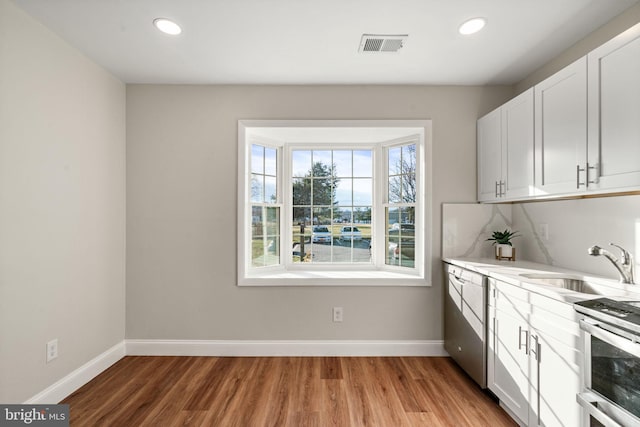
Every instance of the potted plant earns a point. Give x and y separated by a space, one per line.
502 242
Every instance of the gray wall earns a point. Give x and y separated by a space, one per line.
181 211
62 206
625 20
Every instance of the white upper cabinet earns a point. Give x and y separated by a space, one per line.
517 146
585 125
505 151
561 131
489 155
614 113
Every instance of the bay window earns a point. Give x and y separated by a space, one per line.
333 203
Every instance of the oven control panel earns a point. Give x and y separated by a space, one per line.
623 313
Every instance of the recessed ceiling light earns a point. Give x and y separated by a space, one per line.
472 26
167 26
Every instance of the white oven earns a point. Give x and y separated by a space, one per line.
611 392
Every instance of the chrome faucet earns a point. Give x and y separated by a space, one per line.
625 265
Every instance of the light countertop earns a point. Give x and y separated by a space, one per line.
511 272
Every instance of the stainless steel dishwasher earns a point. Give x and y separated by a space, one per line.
464 321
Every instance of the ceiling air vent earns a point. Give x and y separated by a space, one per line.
382 42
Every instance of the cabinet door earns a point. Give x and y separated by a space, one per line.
561 131
508 361
614 112
489 156
556 359
517 146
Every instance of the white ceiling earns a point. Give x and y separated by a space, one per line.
305 42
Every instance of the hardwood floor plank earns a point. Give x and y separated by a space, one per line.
410 395
334 408
385 404
183 390
284 391
331 368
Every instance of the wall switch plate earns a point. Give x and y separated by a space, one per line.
337 314
52 350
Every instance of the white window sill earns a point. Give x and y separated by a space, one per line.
334 278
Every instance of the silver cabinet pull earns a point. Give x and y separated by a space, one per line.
597 171
535 348
578 170
526 340
497 190
503 184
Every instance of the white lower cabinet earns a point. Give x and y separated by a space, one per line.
534 356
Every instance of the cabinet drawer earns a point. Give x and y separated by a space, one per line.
465 275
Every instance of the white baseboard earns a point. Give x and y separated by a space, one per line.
76 379
284 348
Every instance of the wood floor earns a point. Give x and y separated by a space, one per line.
284 391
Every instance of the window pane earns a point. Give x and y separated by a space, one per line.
395 163
265 230
270 189
344 191
301 234
272 250
322 158
270 161
301 163
408 219
400 237
362 215
409 159
362 191
301 216
322 192
362 163
257 159
257 188
301 191
322 216
407 252
393 218
342 162
408 188
395 189
273 221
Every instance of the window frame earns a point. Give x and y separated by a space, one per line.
288 273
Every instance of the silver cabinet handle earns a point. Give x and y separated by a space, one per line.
497 190
597 170
578 170
535 348
503 184
526 340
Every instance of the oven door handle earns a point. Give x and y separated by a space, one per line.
589 400
608 335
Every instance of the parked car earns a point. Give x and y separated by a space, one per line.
321 234
350 233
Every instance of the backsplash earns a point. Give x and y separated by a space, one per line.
575 225
572 227
466 227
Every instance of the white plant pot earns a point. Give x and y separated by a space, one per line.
504 251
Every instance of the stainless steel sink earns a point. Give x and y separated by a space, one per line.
564 281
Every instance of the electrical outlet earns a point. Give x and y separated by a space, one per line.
52 350
337 314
